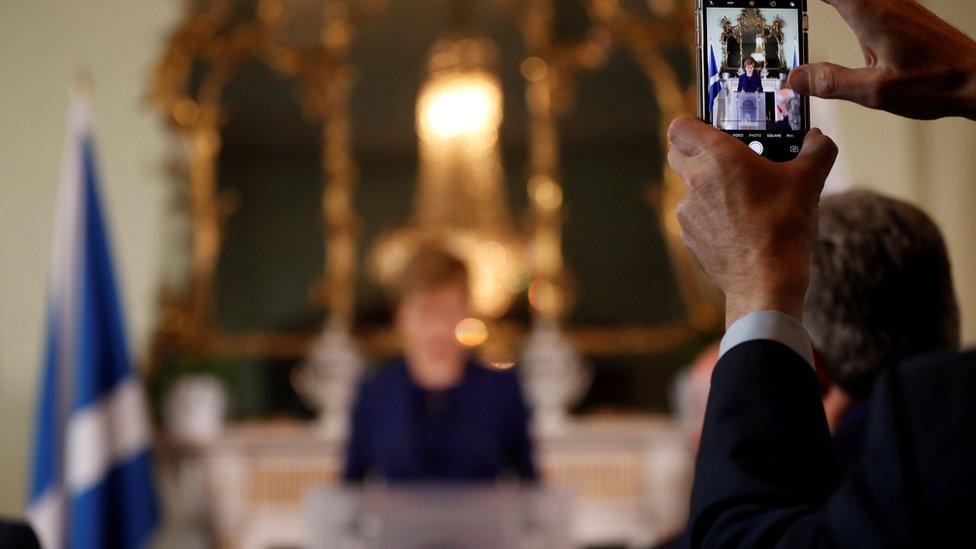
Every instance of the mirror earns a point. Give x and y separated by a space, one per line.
752 37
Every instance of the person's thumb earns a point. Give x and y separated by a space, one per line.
817 156
833 82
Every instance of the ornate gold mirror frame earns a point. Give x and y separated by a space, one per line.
550 71
751 23
323 76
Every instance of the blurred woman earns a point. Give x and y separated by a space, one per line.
437 414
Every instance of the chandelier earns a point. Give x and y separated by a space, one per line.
460 202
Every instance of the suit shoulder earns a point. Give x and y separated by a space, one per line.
940 366
965 358
387 374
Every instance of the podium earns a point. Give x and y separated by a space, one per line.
421 517
629 479
748 111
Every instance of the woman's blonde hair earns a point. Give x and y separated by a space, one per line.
430 268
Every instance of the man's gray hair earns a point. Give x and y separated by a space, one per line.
880 288
788 100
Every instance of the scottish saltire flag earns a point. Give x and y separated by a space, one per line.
714 83
91 484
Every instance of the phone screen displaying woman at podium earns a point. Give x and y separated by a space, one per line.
748 53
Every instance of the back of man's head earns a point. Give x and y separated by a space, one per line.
880 288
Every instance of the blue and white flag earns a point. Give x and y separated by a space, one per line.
714 82
91 483
796 55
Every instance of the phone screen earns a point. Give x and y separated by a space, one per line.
748 48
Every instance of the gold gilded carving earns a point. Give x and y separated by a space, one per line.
321 71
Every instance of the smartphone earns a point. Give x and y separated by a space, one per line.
746 49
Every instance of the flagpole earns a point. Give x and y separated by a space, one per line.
82 85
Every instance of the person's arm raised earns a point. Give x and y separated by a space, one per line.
749 221
765 474
916 65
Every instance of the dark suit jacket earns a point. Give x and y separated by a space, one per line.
781 125
17 535
766 475
474 431
849 435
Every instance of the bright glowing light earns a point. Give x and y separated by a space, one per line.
495 270
461 185
545 192
466 104
471 332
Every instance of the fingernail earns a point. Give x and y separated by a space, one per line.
672 128
799 80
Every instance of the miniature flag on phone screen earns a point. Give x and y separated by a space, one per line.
714 83
91 483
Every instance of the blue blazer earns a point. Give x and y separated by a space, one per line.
750 83
474 431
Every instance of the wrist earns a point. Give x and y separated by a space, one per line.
779 291
736 307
